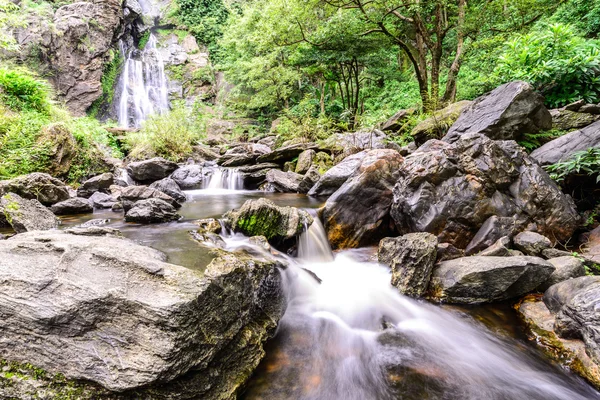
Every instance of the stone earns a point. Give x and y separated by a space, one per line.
203 153
286 153
590 109
575 106
555 253
564 120
236 160
564 147
309 180
102 200
255 175
132 194
499 249
75 205
506 113
171 188
567 267
305 160
358 213
452 189
99 183
282 182
60 148
474 280
335 177
25 215
280 225
209 225
411 258
39 186
436 126
354 142
532 243
189 177
152 170
397 121
114 313
289 166
446 251
492 230
151 211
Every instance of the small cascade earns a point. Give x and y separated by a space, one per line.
224 178
143 84
314 245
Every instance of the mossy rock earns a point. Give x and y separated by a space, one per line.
439 123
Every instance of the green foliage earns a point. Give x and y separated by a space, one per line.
143 40
532 141
22 91
585 163
583 14
110 74
559 63
205 19
10 18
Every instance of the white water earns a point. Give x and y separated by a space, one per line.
223 179
143 85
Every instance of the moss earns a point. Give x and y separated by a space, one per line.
143 40
108 82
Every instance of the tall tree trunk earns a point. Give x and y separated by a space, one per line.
450 93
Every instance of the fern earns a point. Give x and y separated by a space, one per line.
532 141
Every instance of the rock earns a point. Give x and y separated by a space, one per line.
411 258
555 253
565 146
42 187
209 225
397 121
438 124
531 243
305 160
451 190
94 222
282 182
567 267
335 177
286 153
309 180
564 120
358 213
473 280
446 251
505 113
171 188
498 249
102 200
132 194
189 177
151 211
167 320
237 160
26 215
289 166
60 148
255 175
75 205
100 183
280 225
575 106
203 153
354 142
152 170
590 109
492 230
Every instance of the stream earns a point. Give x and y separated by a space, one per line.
331 342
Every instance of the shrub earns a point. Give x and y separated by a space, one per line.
586 163
22 91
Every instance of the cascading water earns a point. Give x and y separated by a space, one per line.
224 179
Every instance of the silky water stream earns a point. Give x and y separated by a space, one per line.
348 334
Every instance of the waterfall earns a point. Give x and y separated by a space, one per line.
224 178
314 245
143 84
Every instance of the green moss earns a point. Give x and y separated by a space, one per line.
143 40
108 82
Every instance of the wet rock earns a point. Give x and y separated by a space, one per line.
305 160
473 280
446 251
26 215
102 200
171 188
237 160
451 190
100 183
152 170
42 187
531 243
282 182
397 121
286 153
132 194
358 213
439 123
255 175
567 267
411 258
168 320
499 249
335 177
309 180
189 177
117 207
280 225
209 225
565 146
151 211
94 222
75 205
506 113
565 120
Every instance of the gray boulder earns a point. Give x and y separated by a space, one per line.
26 215
189 177
567 267
171 188
505 113
358 213
411 258
565 120
532 243
75 205
439 123
152 170
151 211
282 182
286 153
397 121
564 147
473 280
309 180
499 249
102 200
335 177
100 183
106 310
493 229
133 194
305 160
42 187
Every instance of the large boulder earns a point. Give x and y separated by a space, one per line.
102 200
473 280
151 211
106 310
132 194
505 113
335 177
398 121
305 160
26 215
532 243
189 176
280 225
75 205
152 170
411 258
311 177
282 182
99 183
286 153
358 213
439 123
42 187
171 188
564 147
451 190
566 267
255 175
